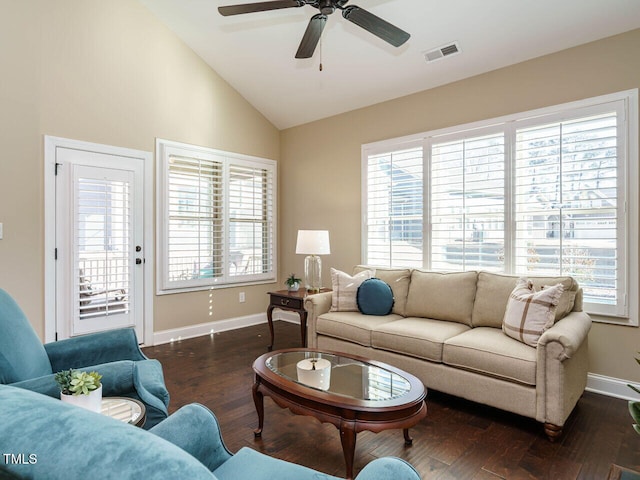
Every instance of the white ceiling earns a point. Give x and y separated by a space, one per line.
255 52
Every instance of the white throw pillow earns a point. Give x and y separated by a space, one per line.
345 288
530 313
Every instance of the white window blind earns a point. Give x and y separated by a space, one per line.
566 201
467 204
195 218
543 193
250 220
218 218
394 219
102 226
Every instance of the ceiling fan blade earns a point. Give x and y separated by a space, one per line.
259 7
311 36
374 24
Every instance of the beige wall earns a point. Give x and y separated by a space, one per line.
320 162
106 72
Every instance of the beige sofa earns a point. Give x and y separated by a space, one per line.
446 330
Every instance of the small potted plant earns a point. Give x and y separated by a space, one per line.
292 283
80 388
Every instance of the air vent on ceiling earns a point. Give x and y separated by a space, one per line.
441 52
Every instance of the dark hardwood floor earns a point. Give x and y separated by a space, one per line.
457 440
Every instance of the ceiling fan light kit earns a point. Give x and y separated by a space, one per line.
356 15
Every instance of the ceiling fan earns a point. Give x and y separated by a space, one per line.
370 22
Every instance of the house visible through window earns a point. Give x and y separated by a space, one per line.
541 193
217 218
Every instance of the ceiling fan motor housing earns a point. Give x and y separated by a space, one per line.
327 7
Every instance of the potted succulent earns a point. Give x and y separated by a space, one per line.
634 406
80 388
292 283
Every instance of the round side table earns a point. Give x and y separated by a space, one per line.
125 409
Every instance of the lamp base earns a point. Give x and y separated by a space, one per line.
313 273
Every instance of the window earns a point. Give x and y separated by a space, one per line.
217 218
550 192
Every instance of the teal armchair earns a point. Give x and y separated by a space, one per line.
41 438
126 372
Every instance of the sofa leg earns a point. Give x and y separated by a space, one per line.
552 431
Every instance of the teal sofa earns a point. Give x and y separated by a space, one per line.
43 438
126 372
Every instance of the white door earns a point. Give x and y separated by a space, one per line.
99 242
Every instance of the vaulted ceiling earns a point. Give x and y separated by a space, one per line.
255 52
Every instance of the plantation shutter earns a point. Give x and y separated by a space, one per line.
102 243
195 222
567 208
394 209
467 204
250 220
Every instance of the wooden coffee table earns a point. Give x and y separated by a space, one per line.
362 394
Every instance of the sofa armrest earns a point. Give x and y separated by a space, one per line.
94 349
570 332
562 369
195 429
388 468
315 305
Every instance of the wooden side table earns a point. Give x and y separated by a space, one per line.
291 301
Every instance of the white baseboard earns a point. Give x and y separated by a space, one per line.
609 386
166 336
285 316
612 387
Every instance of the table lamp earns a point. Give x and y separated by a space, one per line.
313 243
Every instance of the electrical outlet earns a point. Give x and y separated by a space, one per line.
241 297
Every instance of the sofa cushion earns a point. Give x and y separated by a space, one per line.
344 289
488 351
530 312
398 279
352 326
493 294
444 296
374 297
418 337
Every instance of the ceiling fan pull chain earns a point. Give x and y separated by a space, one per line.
321 54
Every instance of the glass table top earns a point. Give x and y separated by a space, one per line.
339 375
121 409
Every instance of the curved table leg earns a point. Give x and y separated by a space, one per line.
270 320
258 400
348 440
303 327
407 439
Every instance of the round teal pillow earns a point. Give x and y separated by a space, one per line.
374 297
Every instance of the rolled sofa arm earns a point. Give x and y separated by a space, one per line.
562 369
570 332
94 349
195 429
315 305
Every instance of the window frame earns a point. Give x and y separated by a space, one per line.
164 150
625 103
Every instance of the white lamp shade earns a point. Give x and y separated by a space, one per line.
313 242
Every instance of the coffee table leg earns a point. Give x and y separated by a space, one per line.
258 400
348 440
407 439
